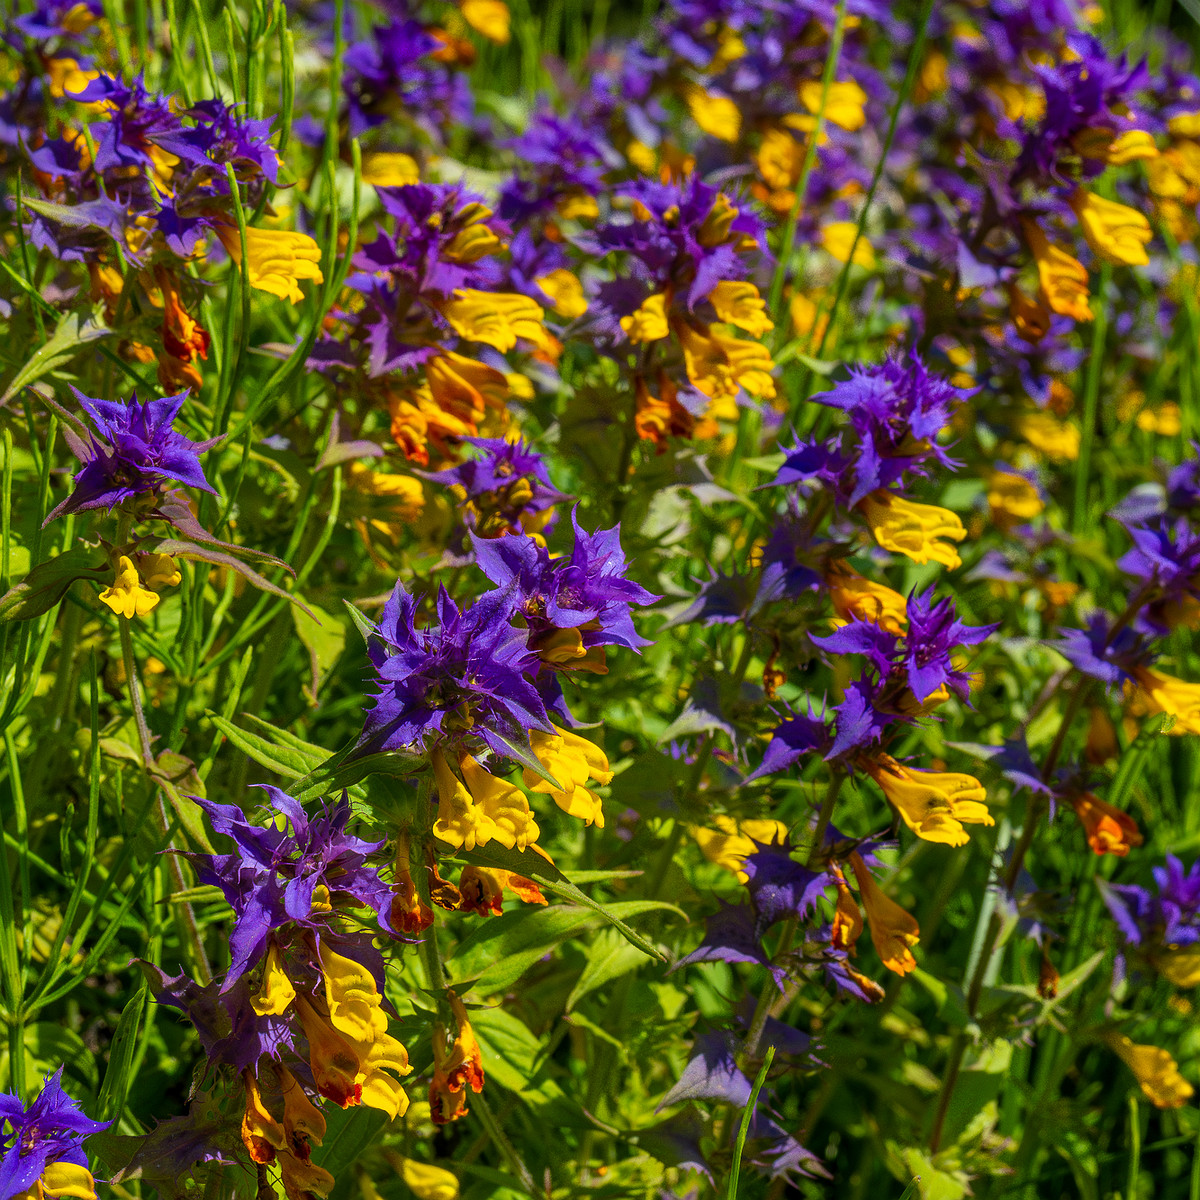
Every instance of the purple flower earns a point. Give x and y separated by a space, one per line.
59 18
465 677
133 452
272 875
933 630
896 414
136 122
779 886
711 1073
505 480
587 590
50 1130
1166 558
1097 652
794 738
731 935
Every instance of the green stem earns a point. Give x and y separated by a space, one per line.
1091 397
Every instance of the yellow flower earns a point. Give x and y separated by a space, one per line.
277 259
454 1069
740 304
1154 692
716 115
465 387
779 159
302 1177
482 889
893 930
67 1179
67 77
572 760
728 844
1116 233
277 991
838 236
1156 1071
1180 965
489 17
1185 125
933 804
158 571
1166 420
350 1071
426 1181
648 323
352 996
913 529
807 320
383 169
1011 497
1132 145
856 597
1055 439
262 1134
303 1124
475 240
719 364
642 157
843 104
576 206
125 595
497 319
473 812
565 292
400 500
1063 278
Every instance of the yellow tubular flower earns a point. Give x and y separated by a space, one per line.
302 1178
1133 145
389 170
856 597
1116 233
125 595
277 991
717 116
572 760
158 571
576 206
303 1124
489 17
719 365
352 996
912 529
933 804
779 159
497 319
465 387
649 322
1011 497
717 225
1155 1070
847 919
67 1179
893 930
277 259
1055 439
565 292
1180 965
459 820
1063 278
740 304
262 1135
838 236
1154 692
728 844
426 1181
503 806
843 103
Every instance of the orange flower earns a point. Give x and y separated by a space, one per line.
482 889
410 913
454 1068
893 930
1108 829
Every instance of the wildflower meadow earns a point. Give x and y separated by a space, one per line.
597 599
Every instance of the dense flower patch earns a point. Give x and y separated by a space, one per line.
598 599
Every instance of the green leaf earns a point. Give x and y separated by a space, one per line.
608 957
71 332
348 1134
120 1060
511 1056
48 582
500 951
282 760
534 866
324 637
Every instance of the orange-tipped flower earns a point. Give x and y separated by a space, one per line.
933 804
454 1069
1108 829
893 930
